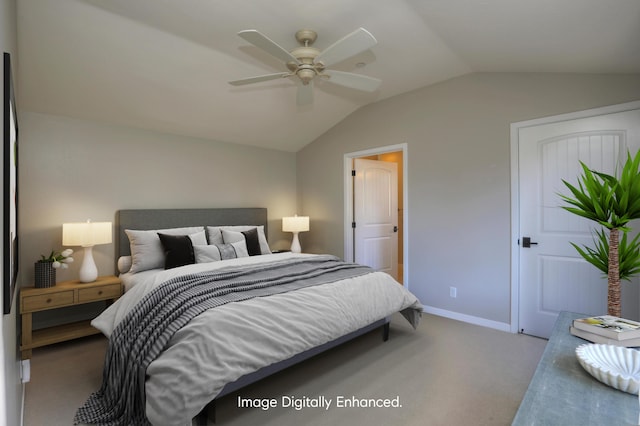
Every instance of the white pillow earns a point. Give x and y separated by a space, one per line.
235 237
240 248
211 253
205 254
199 238
146 248
215 235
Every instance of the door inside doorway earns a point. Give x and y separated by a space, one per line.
378 225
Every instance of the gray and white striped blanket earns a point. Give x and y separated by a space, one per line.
139 339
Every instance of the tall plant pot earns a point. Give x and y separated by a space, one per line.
45 274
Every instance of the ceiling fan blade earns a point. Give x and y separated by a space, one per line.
259 78
354 81
265 43
305 94
348 46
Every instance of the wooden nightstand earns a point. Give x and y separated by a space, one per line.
67 293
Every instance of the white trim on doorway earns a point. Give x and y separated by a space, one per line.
348 201
515 196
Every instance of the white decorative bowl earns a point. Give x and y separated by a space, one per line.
616 366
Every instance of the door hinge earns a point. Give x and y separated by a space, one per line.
353 224
353 172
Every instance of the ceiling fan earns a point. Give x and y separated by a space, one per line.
308 63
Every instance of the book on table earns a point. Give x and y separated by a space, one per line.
597 338
609 326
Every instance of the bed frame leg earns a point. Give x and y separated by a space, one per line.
201 418
385 332
207 416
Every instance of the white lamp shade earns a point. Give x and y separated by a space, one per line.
86 234
295 224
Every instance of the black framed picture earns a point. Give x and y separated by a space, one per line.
10 188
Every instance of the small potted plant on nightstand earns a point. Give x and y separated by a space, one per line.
45 268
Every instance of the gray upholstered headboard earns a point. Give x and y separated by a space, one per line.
144 219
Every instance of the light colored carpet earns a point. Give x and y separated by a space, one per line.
445 373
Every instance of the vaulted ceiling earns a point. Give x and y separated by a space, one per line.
165 65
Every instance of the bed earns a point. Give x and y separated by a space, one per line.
187 325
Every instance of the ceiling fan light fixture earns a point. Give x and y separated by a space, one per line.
306 75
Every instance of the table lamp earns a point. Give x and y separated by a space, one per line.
86 234
295 224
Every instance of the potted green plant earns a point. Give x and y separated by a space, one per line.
612 202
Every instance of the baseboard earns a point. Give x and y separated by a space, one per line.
468 318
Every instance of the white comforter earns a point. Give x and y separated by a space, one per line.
225 343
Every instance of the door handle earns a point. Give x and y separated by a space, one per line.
526 242
395 229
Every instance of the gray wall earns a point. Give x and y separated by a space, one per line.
72 170
11 387
458 176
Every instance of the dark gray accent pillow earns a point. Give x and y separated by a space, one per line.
253 244
227 251
178 250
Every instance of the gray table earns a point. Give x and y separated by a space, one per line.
561 392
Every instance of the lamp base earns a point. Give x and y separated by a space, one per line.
88 270
295 244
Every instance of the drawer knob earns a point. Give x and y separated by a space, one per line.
100 293
49 300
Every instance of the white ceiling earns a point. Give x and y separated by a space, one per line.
164 65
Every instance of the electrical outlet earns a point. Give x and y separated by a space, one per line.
453 292
25 370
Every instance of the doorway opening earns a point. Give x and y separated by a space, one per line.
394 154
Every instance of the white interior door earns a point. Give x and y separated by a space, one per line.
376 215
552 276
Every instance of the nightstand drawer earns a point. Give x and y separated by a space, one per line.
103 292
47 301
